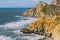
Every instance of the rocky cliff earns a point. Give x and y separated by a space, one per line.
42 9
36 11
56 31
47 23
46 26
43 26
56 2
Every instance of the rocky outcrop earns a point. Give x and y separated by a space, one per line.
56 32
42 9
36 11
56 2
43 26
28 13
47 26
48 20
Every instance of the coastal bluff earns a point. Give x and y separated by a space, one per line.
42 9
36 11
47 22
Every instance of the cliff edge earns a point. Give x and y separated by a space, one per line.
42 9
47 23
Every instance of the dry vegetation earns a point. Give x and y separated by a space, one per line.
47 23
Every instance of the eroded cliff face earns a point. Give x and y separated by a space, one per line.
56 2
36 11
47 26
28 13
43 26
56 32
47 22
42 9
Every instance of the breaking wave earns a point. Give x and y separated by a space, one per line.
19 23
11 31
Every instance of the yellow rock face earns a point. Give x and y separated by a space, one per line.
40 6
56 32
44 22
48 24
56 2
28 12
36 11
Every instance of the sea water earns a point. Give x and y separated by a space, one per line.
12 21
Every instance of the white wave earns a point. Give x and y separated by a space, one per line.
17 32
18 16
5 38
37 37
18 23
29 36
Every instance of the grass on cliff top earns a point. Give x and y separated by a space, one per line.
58 20
50 9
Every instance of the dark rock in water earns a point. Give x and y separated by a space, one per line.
49 35
25 30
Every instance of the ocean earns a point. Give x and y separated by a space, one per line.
12 21
8 14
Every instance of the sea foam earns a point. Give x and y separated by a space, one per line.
19 23
5 38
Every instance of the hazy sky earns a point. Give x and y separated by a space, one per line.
20 3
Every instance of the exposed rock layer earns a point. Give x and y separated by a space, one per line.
42 9
47 23
36 11
43 25
56 2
